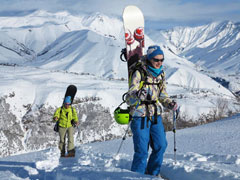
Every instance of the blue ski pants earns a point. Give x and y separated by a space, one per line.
147 133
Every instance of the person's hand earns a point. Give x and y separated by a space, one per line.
74 123
55 118
173 105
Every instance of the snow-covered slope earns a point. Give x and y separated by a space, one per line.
206 152
82 50
42 52
183 73
215 46
77 43
38 29
13 51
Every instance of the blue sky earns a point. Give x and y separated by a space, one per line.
166 12
198 12
211 9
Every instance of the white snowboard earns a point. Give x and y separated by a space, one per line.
133 22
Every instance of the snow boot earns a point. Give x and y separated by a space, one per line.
63 153
163 177
71 153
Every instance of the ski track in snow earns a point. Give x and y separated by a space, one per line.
92 163
202 166
86 165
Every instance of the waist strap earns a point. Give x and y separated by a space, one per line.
148 102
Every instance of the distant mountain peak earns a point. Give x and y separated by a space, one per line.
215 45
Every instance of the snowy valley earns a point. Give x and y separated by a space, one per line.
42 52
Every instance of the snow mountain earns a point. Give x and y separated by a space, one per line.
79 51
214 46
14 52
45 46
58 49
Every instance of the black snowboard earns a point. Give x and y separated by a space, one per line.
71 91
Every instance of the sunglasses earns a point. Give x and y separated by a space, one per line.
67 104
157 60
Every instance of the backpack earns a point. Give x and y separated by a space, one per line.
122 116
139 66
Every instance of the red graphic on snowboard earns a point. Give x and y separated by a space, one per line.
131 39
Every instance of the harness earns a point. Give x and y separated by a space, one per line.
72 121
56 127
66 113
144 74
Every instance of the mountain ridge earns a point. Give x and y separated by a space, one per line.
214 46
84 50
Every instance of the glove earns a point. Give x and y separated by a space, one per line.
74 124
173 106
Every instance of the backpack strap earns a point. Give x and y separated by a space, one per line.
61 111
160 85
62 108
141 67
143 82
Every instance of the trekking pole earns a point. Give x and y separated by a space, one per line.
124 137
175 115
